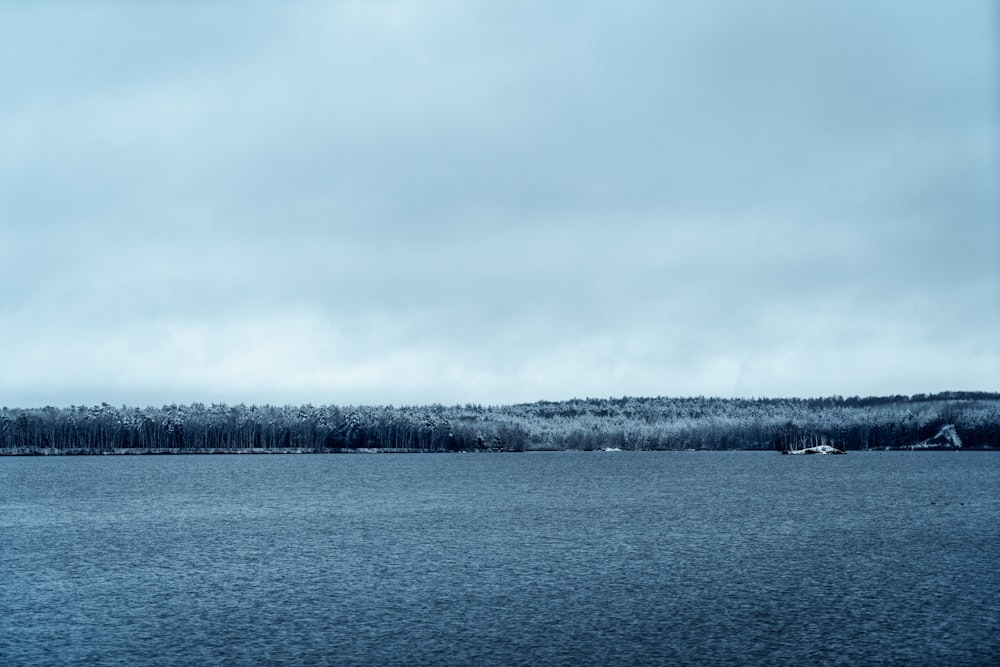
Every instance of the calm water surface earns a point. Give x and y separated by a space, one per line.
514 559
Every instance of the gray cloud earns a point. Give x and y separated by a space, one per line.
412 202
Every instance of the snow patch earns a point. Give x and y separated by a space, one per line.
819 449
946 437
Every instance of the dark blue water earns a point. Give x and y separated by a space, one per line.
545 558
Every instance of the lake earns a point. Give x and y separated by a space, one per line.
556 558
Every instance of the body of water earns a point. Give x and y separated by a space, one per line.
508 559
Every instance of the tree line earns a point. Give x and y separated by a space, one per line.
968 419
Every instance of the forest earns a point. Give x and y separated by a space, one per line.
969 420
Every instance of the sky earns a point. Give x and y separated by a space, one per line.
496 201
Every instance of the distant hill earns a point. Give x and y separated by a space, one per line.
970 420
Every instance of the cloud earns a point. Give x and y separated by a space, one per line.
409 202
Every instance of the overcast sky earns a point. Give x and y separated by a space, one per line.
496 201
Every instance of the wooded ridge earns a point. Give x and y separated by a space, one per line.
970 420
